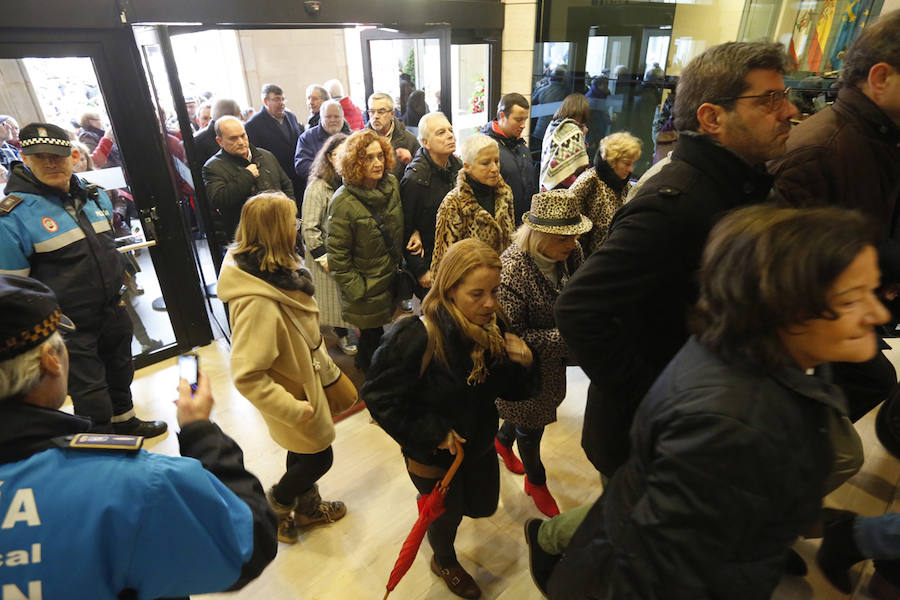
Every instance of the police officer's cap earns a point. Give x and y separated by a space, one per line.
46 138
29 314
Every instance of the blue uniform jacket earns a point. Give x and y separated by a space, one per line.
99 523
75 257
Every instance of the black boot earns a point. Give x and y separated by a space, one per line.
839 552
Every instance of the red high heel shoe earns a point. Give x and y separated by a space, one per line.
542 498
511 461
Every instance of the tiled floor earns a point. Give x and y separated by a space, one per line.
353 558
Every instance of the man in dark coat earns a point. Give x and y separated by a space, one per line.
624 313
516 166
849 155
311 141
276 129
236 172
205 144
428 178
383 122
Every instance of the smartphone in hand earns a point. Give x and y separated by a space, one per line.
188 368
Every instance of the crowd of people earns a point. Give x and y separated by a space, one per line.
725 315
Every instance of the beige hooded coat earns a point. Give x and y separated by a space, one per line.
271 362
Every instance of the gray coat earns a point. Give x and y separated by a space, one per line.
527 297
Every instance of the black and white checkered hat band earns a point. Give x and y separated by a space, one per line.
45 140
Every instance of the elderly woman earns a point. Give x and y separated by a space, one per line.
481 204
275 326
430 406
535 269
564 152
323 181
732 446
601 190
365 236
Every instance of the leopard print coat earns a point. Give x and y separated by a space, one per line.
460 217
598 202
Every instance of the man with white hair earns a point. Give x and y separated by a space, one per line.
352 114
145 525
431 174
311 141
236 172
385 124
9 132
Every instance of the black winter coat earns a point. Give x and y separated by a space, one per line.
229 184
205 144
727 468
419 412
641 284
265 132
422 190
517 170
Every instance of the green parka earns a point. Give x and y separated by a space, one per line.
358 258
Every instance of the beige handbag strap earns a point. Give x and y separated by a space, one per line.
296 322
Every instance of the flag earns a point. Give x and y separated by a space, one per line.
799 36
853 19
820 35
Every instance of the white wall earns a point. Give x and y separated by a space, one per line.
293 59
517 48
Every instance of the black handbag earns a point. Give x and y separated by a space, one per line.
404 281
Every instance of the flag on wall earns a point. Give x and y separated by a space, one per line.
820 35
852 21
800 35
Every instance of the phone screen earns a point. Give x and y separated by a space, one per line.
187 369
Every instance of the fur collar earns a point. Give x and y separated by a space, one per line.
282 278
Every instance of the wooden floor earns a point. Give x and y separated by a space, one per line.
353 557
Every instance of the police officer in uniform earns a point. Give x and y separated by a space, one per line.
91 515
58 229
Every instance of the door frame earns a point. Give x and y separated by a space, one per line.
127 98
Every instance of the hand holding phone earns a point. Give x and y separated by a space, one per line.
189 369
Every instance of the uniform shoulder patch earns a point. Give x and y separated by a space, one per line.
9 203
100 441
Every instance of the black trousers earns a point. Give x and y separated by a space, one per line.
100 366
529 449
303 471
474 492
368 344
865 384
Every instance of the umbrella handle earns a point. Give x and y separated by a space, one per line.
445 482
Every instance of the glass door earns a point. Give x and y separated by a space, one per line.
409 65
67 79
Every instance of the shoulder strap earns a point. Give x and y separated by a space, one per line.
379 223
429 345
293 319
9 203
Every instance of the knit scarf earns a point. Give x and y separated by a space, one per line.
487 340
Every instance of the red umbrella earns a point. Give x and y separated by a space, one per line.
431 506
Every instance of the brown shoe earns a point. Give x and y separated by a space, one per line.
312 510
458 581
287 530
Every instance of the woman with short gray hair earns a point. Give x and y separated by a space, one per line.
481 204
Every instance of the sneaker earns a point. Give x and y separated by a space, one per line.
540 562
346 346
135 426
325 512
458 581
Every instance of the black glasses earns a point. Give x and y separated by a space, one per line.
775 99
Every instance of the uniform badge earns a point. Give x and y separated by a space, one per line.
41 132
49 224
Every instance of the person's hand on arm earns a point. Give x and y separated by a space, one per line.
403 155
517 350
414 246
254 170
451 441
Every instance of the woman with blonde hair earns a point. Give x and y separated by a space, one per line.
481 204
276 352
365 237
602 189
564 152
535 269
323 180
430 405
